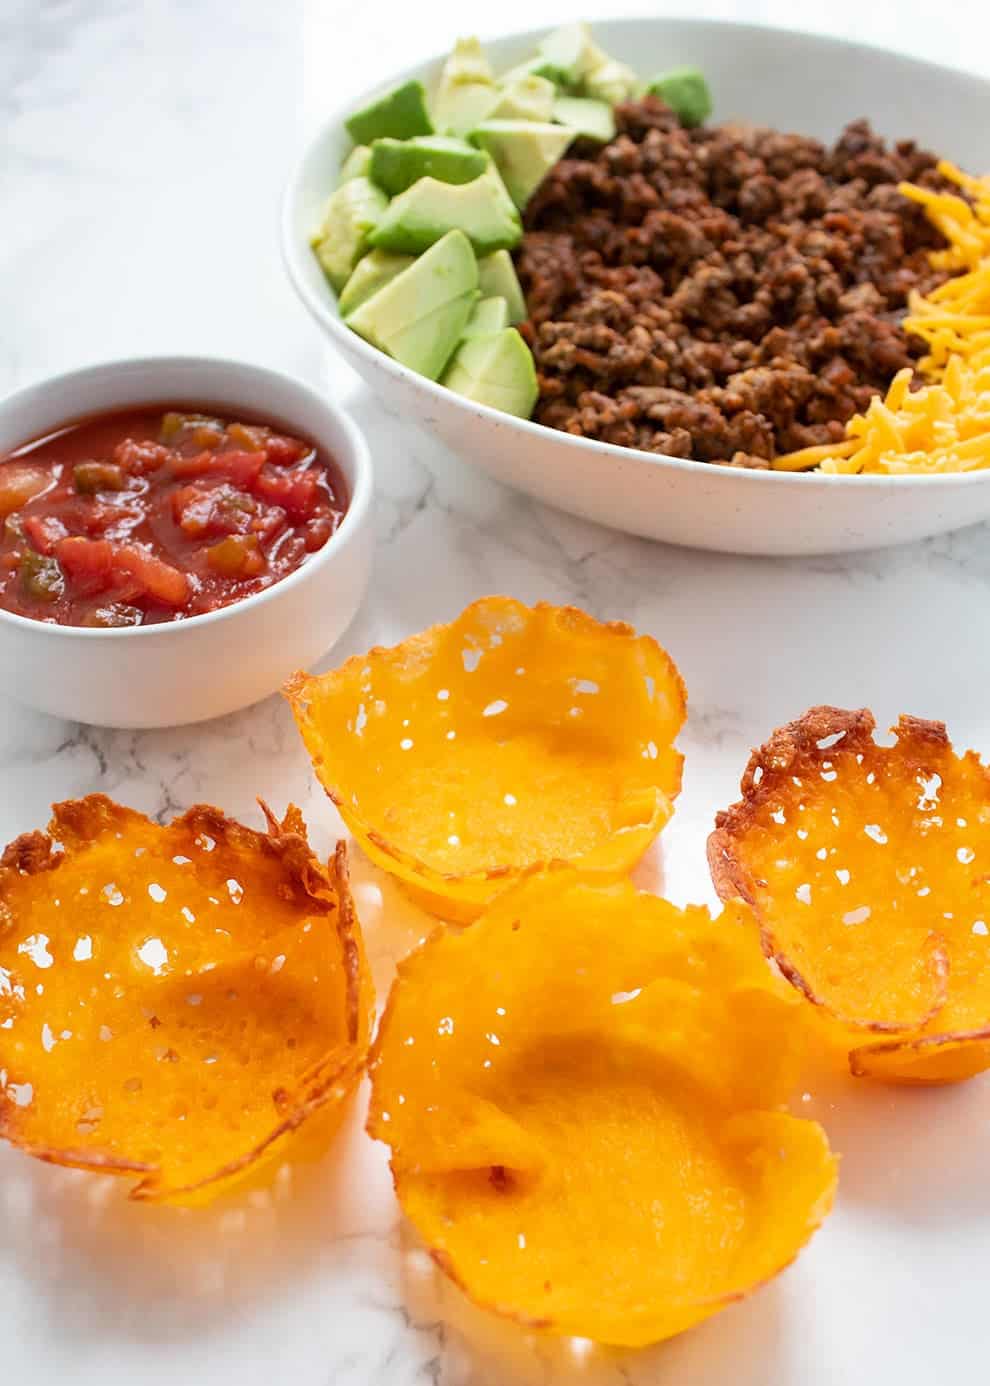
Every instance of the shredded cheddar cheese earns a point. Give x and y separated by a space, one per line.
806 458
944 426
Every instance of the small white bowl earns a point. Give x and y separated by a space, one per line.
203 666
793 81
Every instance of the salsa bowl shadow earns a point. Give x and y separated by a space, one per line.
203 666
776 77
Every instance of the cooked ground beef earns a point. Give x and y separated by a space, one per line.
727 293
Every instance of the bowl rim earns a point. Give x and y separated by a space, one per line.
362 486
295 247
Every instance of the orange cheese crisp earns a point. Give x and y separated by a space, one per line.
511 737
866 866
174 1001
580 1096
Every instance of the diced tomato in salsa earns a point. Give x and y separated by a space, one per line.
159 581
241 468
296 492
44 532
148 516
203 512
284 452
86 563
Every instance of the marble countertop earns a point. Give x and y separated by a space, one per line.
143 148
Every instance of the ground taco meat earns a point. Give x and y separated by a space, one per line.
726 294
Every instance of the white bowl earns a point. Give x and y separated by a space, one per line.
792 81
188 670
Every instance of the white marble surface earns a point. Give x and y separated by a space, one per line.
143 148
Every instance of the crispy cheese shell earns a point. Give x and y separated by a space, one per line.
578 1093
866 867
512 737
174 1001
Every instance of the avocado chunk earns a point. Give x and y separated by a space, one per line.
572 49
527 98
497 279
371 273
496 370
399 115
467 89
611 81
467 63
397 164
487 316
534 67
429 209
353 210
355 165
592 119
524 151
419 316
686 93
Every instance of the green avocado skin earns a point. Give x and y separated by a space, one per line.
686 93
396 164
399 115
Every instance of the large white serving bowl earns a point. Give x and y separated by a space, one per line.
189 670
776 77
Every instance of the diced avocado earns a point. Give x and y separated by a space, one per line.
572 49
611 81
419 316
482 209
467 63
585 116
355 165
523 150
496 370
463 107
399 115
397 164
352 211
527 98
371 273
487 316
686 93
534 67
467 89
497 279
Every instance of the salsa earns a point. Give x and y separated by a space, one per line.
142 516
